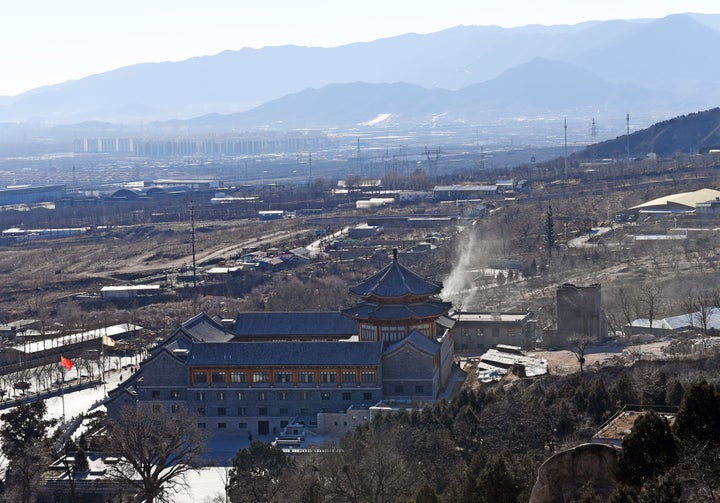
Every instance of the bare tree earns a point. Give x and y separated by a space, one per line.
23 477
651 298
700 307
157 450
627 307
579 349
369 469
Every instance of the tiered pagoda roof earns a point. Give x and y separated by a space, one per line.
396 282
414 311
396 294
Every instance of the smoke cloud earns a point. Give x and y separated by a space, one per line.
467 278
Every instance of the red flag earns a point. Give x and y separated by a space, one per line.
66 362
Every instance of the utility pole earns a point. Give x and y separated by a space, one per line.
432 158
627 120
566 159
192 234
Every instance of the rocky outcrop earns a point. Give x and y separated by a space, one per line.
591 466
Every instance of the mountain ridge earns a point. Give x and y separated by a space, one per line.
451 59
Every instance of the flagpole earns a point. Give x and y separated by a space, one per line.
65 363
62 392
102 356
102 360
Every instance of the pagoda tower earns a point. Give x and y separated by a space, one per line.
395 302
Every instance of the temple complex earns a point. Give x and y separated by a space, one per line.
273 369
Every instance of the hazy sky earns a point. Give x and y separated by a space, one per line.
50 41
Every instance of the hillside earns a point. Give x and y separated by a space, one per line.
685 134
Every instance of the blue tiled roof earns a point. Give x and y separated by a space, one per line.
395 281
378 311
203 328
270 324
286 353
417 339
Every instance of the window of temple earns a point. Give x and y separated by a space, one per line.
369 378
261 376
238 377
392 334
283 377
327 377
424 328
306 377
368 332
349 377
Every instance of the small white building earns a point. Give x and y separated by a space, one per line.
128 291
374 202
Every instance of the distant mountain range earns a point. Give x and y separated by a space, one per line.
540 86
457 76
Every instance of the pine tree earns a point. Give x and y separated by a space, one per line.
698 420
649 450
81 463
550 236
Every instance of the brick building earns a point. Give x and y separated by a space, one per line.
579 314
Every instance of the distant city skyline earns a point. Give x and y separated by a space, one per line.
47 42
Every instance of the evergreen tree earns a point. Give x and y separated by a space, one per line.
23 426
649 450
675 393
623 392
81 463
550 236
698 419
256 472
598 400
426 494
